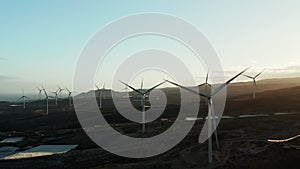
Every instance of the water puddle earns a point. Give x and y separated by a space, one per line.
192 118
7 150
283 140
43 150
279 114
252 115
12 140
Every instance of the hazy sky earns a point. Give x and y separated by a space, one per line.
41 40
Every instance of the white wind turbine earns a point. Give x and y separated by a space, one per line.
211 112
56 95
100 92
47 100
69 96
59 90
23 97
40 92
143 99
254 81
206 85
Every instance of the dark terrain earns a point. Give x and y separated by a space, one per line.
243 141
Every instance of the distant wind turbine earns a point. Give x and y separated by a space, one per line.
23 97
56 95
254 82
59 90
211 112
47 99
69 96
40 92
143 98
100 92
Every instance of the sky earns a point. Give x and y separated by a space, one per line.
40 41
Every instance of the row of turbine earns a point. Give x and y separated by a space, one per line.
211 113
144 94
47 96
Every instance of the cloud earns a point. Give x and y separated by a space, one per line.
287 69
6 78
290 70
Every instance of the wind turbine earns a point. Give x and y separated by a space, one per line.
40 92
206 84
254 81
126 91
23 97
56 95
59 90
100 92
47 99
143 98
69 96
211 111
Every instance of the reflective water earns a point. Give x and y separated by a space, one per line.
252 115
42 150
244 116
283 140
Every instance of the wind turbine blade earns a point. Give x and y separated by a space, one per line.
206 80
97 87
45 93
190 90
132 88
259 73
149 90
19 99
68 90
103 86
142 83
248 76
202 84
230 80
